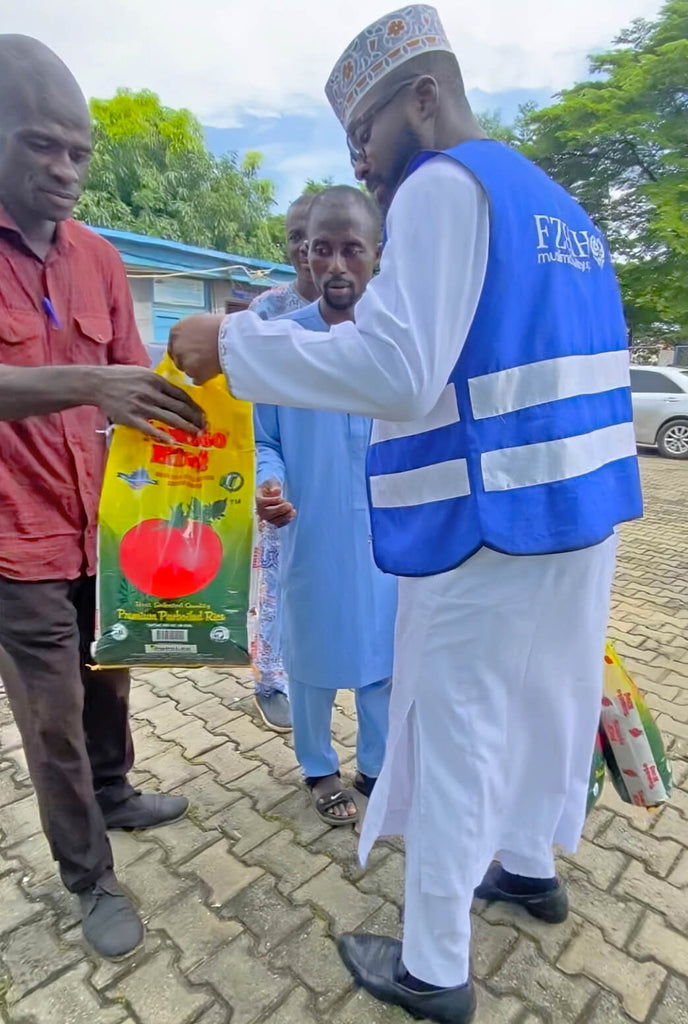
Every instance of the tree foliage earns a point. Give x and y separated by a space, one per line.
619 142
151 173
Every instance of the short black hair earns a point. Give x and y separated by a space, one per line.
342 195
305 200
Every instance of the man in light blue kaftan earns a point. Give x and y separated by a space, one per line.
271 682
338 609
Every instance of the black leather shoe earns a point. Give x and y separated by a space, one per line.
375 963
109 922
146 810
551 906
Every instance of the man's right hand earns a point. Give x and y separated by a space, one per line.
134 395
271 506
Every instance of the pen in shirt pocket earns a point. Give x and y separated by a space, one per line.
50 310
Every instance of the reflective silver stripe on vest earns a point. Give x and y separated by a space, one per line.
520 387
439 482
549 461
444 414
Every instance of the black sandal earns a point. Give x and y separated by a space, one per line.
364 784
331 795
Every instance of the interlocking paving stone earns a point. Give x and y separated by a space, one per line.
491 945
291 864
673 1006
679 875
658 855
68 999
617 917
243 980
243 898
182 840
661 943
312 956
385 880
194 739
295 1010
34 853
343 904
264 791
550 939
150 883
662 896
527 976
297 812
171 769
591 955
32 953
196 930
15 908
207 796
221 871
602 866
157 991
20 821
244 827
266 913
9 791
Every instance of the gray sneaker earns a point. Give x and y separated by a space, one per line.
110 923
274 710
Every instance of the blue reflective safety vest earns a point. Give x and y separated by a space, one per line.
530 449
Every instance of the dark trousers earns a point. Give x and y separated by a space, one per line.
74 722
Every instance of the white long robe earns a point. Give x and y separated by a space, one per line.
496 754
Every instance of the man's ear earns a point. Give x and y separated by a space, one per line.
426 94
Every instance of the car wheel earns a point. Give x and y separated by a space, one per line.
672 440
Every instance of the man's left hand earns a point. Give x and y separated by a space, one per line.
193 346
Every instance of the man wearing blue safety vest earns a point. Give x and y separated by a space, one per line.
491 351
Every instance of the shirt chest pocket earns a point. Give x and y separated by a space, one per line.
92 336
22 338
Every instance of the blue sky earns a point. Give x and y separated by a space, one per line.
296 147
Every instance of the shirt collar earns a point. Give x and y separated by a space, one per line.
63 232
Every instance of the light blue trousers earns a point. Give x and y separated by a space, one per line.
311 712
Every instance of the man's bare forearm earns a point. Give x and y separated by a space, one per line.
38 390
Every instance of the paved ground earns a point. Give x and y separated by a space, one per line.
243 898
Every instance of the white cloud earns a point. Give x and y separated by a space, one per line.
223 58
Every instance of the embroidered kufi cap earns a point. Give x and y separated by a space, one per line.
379 49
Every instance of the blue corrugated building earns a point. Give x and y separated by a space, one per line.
169 280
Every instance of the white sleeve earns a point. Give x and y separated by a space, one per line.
411 323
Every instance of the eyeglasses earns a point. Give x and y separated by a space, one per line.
357 149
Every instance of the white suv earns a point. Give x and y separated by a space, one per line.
660 408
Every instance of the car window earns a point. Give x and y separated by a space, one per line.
646 382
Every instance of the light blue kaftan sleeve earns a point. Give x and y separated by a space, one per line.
270 462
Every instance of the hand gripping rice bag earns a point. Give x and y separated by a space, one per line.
175 539
632 743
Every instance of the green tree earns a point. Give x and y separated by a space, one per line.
151 173
619 142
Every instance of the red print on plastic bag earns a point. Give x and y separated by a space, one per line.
614 733
626 702
651 774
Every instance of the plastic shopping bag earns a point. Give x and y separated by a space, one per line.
597 774
175 539
632 743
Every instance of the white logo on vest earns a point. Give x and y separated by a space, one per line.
559 243
597 250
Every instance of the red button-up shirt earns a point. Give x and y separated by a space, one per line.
51 467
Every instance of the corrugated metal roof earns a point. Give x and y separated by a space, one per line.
162 254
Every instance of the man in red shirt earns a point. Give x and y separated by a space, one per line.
70 360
